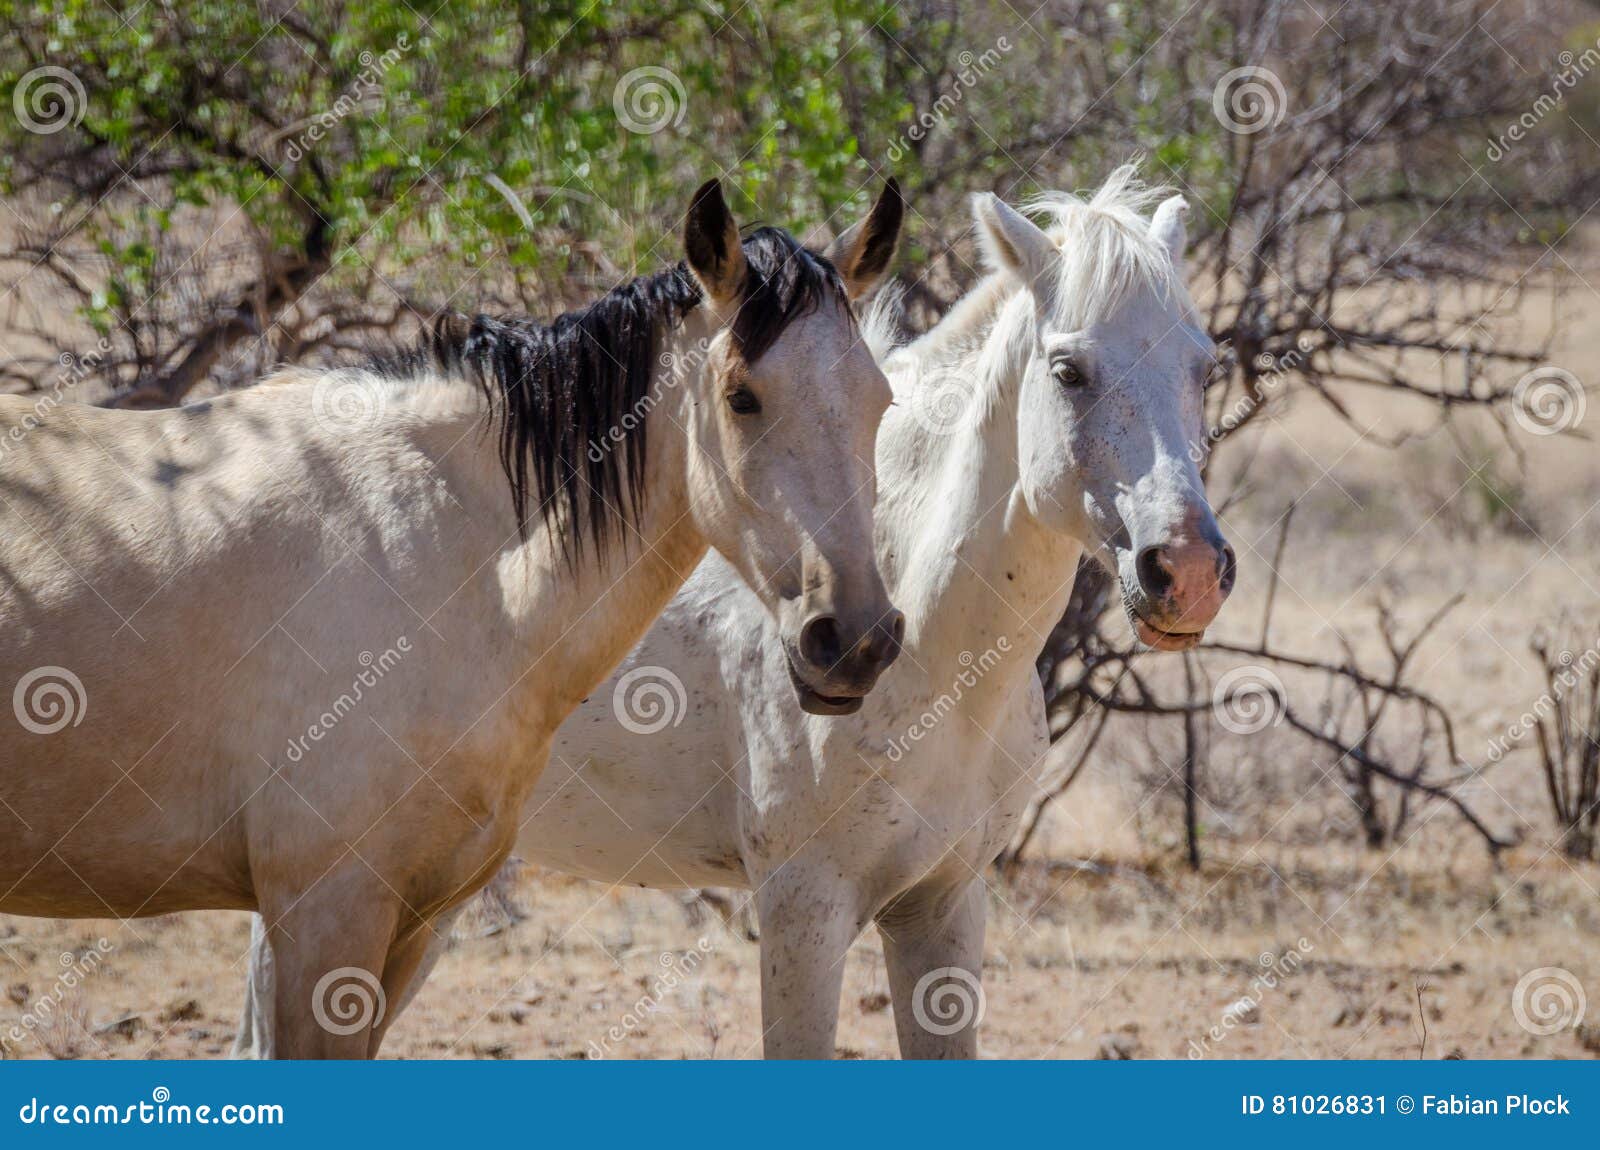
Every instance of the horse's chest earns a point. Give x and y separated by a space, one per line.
950 798
968 811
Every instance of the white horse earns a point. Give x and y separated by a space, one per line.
191 600
1053 411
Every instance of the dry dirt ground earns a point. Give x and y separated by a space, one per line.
1103 944
1408 959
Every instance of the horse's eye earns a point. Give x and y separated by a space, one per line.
744 401
1066 373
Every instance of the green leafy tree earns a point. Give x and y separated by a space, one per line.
217 186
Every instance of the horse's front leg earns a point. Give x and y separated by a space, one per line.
410 960
330 946
808 921
256 1038
933 947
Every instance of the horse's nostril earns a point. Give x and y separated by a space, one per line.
819 642
883 644
1230 569
1155 579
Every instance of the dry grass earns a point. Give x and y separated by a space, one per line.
1149 956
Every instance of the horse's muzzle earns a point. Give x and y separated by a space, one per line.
1179 587
830 674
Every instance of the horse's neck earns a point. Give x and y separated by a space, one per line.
971 568
575 619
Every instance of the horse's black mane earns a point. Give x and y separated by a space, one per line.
558 389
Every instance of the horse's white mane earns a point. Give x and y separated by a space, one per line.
1107 247
883 324
1109 253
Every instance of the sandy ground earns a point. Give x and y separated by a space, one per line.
1367 957
1103 944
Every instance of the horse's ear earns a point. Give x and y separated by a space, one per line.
711 241
1010 241
1169 226
863 250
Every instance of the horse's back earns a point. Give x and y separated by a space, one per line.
170 582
